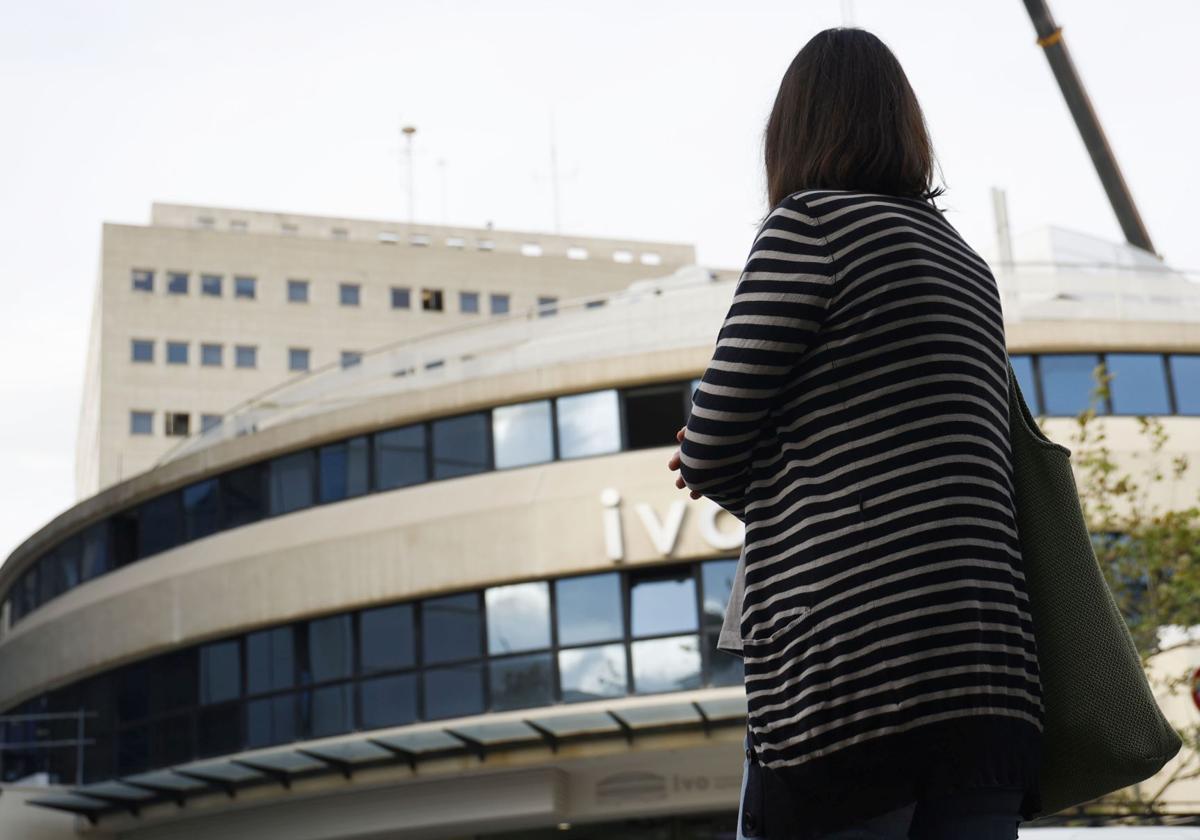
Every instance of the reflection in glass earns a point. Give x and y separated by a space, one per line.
200 509
717 578
220 672
1185 374
291 482
589 608
242 496
400 457
663 602
593 672
389 701
271 721
330 710
522 434
519 682
270 660
344 469
330 649
454 691
1022 366
518 617
460 445
386 638
451 628
653 415
1067 382
671 664
588 424
1139 383
96 558
724 668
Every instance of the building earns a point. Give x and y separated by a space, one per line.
451 590
206 307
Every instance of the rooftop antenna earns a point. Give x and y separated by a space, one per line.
555 176
408 131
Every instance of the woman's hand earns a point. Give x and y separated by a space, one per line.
673 464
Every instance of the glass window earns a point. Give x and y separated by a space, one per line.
177 423
592 673
141 422
243 496
348 294
386 638
670 664
1023 367
177 353
29 591
717 579
389 701
200 509
401 297
330 649
133 750
210 285
1067 382
160 524
521 682
143 280
1139 383
653 415
96 558
328 710
211 355
522 434
174 681
209 422
297 358
245 355
245 287
297 291
345 468
142 350
662 601
453 691
270 660
588 424
468 301
431 300
460 445
124 535
518 617
1185 374
271 721
220 671
218 730
400 457
589 608
351 358
291 482
499 303
451 628
177 283
546 305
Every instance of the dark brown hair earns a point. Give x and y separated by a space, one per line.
845 118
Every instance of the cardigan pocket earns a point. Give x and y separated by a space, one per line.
765 646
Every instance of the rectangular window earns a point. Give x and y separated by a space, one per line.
589 424
662 601
1022 366
461 445
143 280
1067 382
401 297
387 640
451 628
1139 383
243 496
717 579
589 609
177 352
521 682
270 660
220 672
345 469
245 287
1185 375
246 355
211 355
297 291
97 552
177 423
209 422
666 664
468 301
431 300
454 691
593 673
177 283
200 509
348 294
522 434
351 358
142 350
547 305
388 701
518 617
653 415
160 525
298 358
499 304
400 457
292 482
210 285
141 423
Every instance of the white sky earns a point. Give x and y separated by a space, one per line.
295 106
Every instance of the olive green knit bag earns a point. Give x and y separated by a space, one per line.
1103 729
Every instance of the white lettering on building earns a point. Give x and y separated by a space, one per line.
664 534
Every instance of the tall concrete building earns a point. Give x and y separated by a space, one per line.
206 307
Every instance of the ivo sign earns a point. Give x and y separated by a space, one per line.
664 533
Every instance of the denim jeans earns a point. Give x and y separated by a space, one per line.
986 814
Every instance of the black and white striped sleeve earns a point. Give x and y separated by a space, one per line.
779 304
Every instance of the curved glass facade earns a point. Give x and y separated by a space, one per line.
520 645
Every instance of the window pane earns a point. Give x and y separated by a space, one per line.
1139 383
588 424
160 524
220 671
350 358
724 668
546 305
96 558
460 445
208 422
210 355
386 638
589 608
270 660
174 681
344 469
717 578
292 478
177 283
389 701
468 301
400 457
518 617
348 294
141 423
133 750
455 691
297 291
1023 367
663 602
328 710
522 434
401 298
177 352
243 287
297 358
1067 382
330 649
1185 374
671 664
243 496
219 729
210 284
654 415
245 356
520 682
200 513
452 628
499 304
143 280
592 673
271 721
142 350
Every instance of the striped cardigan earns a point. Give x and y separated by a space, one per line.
855 416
